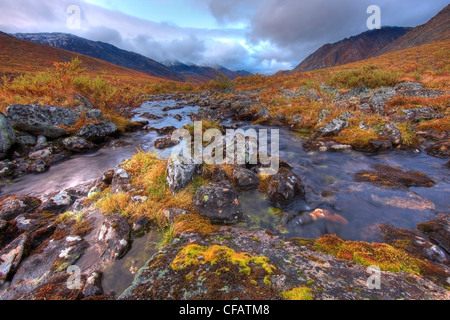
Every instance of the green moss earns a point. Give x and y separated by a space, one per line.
256 239
386 257
193 254
300 293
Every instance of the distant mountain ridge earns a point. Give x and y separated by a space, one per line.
176 71
356 48
437 29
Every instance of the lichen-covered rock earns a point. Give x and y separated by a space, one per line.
285 187
325 145
12 255
78 144
391 132
115 235
97 132
121 180
42 120
245 179
392 177
379 99
439 149
25 139
438 230
419 114
219 202
93 285
7 136
13 205
231 264
180 172
164 143
335 126
58 203
359 92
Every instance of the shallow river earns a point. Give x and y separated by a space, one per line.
356 209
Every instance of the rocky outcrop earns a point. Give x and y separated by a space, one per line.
285 187
240 264
42 120
11 256
391 132
218 202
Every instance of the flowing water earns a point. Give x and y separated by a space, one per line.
355 210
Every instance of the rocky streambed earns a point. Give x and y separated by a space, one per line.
49 221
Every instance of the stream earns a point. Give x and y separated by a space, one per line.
357 208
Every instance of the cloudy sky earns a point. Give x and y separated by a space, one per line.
256 35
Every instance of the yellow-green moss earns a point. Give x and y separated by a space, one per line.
386 257
300 293
194 254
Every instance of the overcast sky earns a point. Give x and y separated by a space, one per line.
256 35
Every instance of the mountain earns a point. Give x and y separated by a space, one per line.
356 48
21 56
437 29
195 73
103 51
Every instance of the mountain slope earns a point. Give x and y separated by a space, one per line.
20 56
356 48
437 29
103 51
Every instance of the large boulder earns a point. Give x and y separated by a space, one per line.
218 201
13 205
96 132
285 187
7 136
180 172
42 120
335 126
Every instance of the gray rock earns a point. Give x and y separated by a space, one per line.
78 144
121 181
219 202
115 235
245 179
335 126
263 114
7 136
25 139
285 187
312 95
38 166
58 202
363 125
93 286
408 86
390 131
419 114
172 213
359 92
41 140
11 256
7 169
296 121
180 172
13 205
379 99
164 143
322 115
380 145
96 132
42 120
